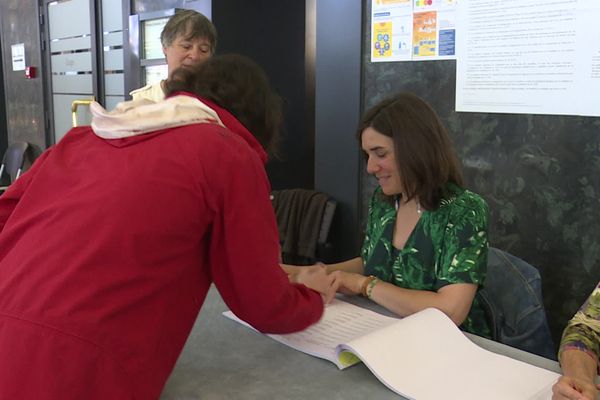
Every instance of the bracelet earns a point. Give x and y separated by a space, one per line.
370 287
366 283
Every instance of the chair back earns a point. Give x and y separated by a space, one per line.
304 219
17 158
512 298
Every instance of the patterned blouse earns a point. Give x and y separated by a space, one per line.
583 330
448 245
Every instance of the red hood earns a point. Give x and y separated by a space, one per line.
226 119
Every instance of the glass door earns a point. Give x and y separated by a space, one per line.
85 59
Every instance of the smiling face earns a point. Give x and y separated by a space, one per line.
381 163
185 52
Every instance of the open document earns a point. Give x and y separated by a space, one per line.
423 356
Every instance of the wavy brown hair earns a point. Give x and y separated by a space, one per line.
425 156
239 85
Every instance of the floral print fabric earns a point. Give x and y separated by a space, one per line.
583 330
448 245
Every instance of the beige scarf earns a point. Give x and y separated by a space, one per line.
137 117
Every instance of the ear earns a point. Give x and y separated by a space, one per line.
164 49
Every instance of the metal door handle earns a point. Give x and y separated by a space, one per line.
77 103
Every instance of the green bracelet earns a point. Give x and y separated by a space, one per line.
370 287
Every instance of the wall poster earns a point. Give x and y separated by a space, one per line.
529 57
413 30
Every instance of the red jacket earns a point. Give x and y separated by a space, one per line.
107 250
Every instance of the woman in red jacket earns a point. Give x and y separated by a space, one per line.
109 243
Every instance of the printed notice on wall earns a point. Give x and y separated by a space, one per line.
528 56
413 30
18 56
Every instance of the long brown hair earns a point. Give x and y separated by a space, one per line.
425 156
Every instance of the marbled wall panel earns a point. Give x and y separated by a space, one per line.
540 175
24 97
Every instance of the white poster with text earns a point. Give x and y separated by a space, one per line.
529 56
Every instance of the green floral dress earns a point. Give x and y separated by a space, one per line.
583 330
448 245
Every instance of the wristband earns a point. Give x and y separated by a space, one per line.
370 286
366 283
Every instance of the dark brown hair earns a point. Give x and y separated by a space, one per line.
239 85
425 157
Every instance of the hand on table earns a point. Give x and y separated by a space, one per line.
314 277
568 388
348 283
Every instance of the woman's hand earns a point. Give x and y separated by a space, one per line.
568 388
314 277
348 283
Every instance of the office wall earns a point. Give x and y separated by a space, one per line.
24 105
273 34
337 110
540 175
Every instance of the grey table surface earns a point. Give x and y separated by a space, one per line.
224 360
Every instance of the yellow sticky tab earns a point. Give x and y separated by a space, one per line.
347 359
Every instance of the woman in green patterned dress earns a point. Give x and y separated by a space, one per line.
579 352
426 237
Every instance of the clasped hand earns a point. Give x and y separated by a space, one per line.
316 277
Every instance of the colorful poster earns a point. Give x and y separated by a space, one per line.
424 34
391 30
382 39
421 4
446 33
413 30
391 2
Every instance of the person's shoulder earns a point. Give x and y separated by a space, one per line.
462 198
462 206
219 141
